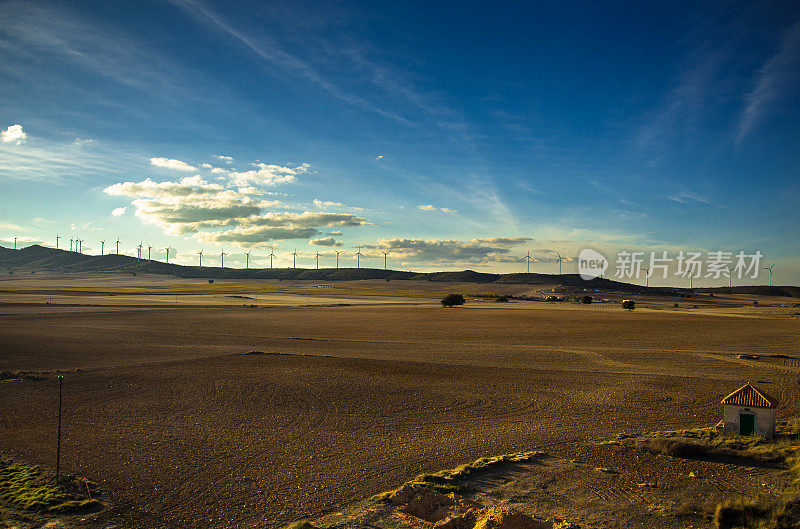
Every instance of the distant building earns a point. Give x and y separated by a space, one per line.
749 411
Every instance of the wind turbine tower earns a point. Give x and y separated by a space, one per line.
294 258
102 247
15 243
337 258
167 249
317 259
117 246
559 261
222 258
247 262
384 259
148 252
70 244
770 273
271 255
57 238
528 260
358 257
139 251
646 277
201 258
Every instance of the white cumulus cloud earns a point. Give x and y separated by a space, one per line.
118 212
13 134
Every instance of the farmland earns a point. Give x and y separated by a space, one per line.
167 413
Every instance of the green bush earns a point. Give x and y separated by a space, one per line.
628 304
586 300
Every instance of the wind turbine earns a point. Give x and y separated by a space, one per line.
15 243
770 273
730 277
358 257
384 258
70 244
559 261
167 249
148 252
117 246
294 259
646 277
222 258
337 258
139 251
317 259
247 254
57 238
102 246
271 255
528 260
201 258
78 245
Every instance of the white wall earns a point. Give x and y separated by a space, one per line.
765 419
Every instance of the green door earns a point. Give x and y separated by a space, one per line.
747 424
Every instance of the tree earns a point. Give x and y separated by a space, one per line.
586 300
451 300
628 304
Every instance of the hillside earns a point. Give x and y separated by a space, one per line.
36 257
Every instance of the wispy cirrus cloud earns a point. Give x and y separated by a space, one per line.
268 50
691 198
777 77
171 163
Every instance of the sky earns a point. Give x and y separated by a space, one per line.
452 135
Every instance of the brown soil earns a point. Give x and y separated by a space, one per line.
184 430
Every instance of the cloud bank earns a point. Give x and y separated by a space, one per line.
232 210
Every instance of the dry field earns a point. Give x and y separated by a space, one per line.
184 430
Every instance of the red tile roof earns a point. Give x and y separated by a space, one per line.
749 396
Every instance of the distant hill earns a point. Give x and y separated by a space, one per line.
38 257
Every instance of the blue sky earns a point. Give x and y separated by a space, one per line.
454 135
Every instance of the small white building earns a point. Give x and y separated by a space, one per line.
749 411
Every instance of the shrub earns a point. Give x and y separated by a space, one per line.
755 303
730 515
210 281
676 305
628 304
501 299
586 300
675 448
451 300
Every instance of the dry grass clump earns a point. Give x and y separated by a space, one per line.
448 480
